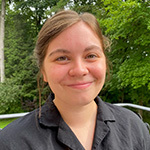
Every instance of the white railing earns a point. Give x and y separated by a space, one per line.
134 106
16 115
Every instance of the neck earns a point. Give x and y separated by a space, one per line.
81 120
77 116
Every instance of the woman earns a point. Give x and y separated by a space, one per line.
70 52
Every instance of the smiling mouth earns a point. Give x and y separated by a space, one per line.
80 85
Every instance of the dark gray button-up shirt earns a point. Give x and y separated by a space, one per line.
116 129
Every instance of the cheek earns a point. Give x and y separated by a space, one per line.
99 71
56 74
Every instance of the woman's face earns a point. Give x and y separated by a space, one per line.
75 65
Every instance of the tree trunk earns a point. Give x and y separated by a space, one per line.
2 31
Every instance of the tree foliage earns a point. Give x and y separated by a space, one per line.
126 23
9 97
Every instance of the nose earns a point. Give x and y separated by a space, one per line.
78 69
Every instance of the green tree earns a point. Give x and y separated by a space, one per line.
127 24
19 64
9 97
23 22
35 10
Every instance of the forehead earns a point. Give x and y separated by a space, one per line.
79 34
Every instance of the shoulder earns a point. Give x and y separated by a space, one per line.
117 113
18 129
23 122
122 113
129 122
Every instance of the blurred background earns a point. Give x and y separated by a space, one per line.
125 22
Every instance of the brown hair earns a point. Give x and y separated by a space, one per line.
56 25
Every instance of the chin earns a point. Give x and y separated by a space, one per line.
83 99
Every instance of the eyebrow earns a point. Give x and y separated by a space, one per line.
68 52
59 51
93 47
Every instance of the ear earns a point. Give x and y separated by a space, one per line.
44 75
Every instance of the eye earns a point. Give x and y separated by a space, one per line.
62 58
91 56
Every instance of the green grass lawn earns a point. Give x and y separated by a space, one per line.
5 122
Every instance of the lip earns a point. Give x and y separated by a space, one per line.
80 85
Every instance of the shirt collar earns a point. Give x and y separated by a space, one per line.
51 117
104 112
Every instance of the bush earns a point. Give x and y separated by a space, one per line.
9 97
